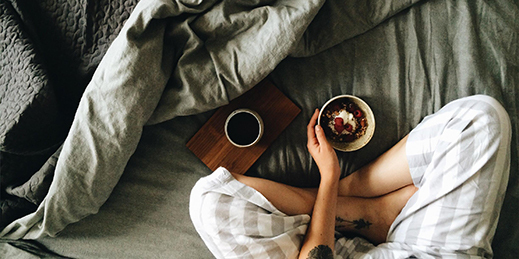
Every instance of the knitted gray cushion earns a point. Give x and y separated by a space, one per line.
29 111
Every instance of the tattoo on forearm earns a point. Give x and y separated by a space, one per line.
357 224
321 252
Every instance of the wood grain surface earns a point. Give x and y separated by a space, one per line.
212 146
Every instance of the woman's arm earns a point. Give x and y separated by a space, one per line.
319 240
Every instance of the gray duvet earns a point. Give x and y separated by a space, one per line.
122 180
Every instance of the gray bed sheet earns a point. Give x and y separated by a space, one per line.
405 68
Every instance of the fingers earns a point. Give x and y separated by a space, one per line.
319 132
314 130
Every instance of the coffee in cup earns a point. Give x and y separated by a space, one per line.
244 127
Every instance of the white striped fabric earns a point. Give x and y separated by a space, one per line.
236 221
459 159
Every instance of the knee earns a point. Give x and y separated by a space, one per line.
477 124
488 130
496 114
493 109
484 113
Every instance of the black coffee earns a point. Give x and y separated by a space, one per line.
243 128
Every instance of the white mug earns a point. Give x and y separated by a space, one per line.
244 127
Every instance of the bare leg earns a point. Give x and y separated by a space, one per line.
371 217
288 199
387 173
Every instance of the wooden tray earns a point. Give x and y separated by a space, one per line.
214 149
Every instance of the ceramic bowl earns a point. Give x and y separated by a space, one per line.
363 140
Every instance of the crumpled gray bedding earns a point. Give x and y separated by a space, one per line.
212 57
49 50
405 59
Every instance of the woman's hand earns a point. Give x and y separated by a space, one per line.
322 152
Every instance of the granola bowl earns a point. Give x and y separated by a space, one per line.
348 122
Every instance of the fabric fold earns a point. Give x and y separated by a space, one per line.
128 91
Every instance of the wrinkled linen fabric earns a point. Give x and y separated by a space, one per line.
127 91
459 158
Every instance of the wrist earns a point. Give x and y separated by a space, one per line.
331 177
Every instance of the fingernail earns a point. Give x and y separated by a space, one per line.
317 127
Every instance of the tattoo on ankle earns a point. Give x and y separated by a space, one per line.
357 224
320 252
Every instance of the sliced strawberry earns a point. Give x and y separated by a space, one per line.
339 128
338 124
348 127
357 113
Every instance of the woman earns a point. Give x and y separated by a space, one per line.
436 193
